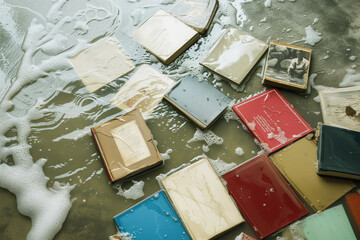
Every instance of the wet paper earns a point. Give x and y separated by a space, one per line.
202 200
198 14
144 90
340 107
101 63
165 36
234 55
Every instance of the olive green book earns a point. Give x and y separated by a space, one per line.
297 164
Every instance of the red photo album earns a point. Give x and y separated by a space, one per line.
263 196
272 120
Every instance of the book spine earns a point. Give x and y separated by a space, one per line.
97 143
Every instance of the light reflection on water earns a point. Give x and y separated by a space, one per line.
62 135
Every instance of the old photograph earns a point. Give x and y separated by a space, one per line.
287 65
340 107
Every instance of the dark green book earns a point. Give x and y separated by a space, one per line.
199 101
338 152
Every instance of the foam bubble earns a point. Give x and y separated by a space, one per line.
239 151
352 58
268 3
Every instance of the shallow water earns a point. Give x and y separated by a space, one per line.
65 111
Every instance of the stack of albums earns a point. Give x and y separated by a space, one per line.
287 67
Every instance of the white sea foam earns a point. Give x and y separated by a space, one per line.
136 16
134 192
268 3
312 36
46 205
166 156
121 236
241 17
8 24
208 136
221 167
351 78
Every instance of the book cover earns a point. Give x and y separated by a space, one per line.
287 66
353 202
199 101
101 63
234 55
331 224
201 200
198 14
296 162
340 107
263 196
153 218
126 145
338 152
144 90
165 36
272 120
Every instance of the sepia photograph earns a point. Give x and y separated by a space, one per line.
340 107
287 66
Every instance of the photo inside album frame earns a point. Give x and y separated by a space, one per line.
287 67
